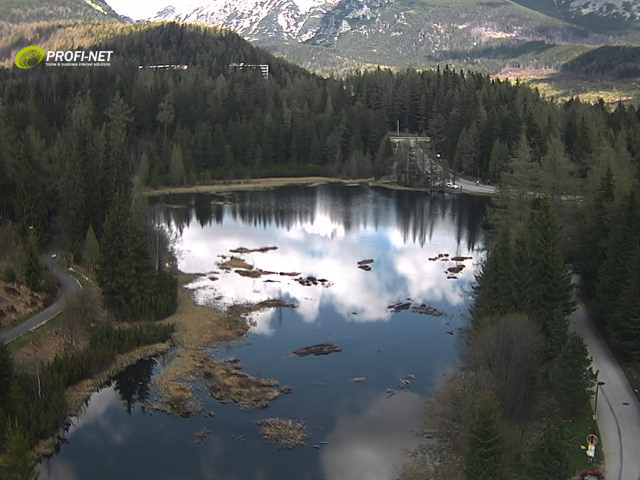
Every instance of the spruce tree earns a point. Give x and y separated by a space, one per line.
113 269
549 291
613 274
484 452
18 462
33 270
548 458
571 377
494 293
625 324
91 250
6 373
176 166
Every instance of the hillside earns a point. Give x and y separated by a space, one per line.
341 34
22 11
610 62
596 15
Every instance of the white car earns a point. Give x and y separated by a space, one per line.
453 186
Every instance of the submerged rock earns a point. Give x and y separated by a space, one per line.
399 307
201 436
249 273
289 274
320 349
227 383
243 250
283 432
312 281
455 270
234 262
422 309
426 310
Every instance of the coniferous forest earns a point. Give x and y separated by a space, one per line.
77 146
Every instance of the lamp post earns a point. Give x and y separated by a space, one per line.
595 408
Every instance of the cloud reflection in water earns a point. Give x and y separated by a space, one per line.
318 235
374 445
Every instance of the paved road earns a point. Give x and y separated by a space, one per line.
618 409
68 284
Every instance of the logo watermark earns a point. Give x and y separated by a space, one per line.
29 57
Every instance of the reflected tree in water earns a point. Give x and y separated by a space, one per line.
133 384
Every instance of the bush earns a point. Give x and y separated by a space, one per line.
9 275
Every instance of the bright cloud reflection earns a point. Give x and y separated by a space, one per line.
373 445
327 241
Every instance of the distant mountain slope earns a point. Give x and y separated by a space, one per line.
339 34
22 11
608 62
597 15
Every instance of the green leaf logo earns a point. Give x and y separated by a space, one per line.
29 57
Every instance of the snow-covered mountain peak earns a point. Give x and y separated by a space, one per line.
251 18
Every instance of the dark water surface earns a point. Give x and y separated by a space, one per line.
320 231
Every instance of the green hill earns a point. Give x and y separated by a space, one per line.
612 62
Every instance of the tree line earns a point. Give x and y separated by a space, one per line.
33 406
525 378
209 122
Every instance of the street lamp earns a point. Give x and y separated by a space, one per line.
595 408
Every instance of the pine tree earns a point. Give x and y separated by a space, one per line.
495 294
18 462
33 270
613 274
498 160
571 377
383 160
113 271
483 458
625 323
91 250
166 116
557 179
594 232
550 290
177 170
466 150
548 459
6 373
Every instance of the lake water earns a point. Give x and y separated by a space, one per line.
320 231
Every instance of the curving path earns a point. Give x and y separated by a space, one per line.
68 284
618 411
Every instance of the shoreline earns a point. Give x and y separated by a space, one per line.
79 394
256 184
197 329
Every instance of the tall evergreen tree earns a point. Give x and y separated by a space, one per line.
484 454
571 377
91 250
548 459
550 290
18 463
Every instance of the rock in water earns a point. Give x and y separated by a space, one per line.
320 349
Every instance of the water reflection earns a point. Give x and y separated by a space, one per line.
322 232
374 444
415 215
133 384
